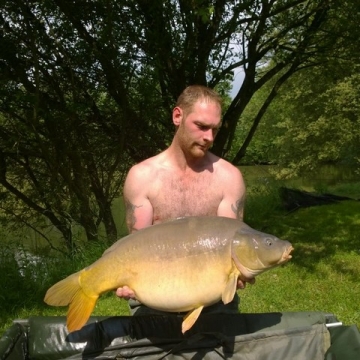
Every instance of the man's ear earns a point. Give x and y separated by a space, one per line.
177 116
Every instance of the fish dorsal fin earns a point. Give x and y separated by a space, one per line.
190 318
230 288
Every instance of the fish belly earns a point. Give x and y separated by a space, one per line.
181 284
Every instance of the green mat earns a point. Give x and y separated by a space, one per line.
297 335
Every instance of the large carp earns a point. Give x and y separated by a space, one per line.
181 265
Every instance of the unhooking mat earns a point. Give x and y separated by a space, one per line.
297 335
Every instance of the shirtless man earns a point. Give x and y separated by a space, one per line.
185 179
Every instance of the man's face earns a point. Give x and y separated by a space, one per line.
196 132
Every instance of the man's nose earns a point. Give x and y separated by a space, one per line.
209 135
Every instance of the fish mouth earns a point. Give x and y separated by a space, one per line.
287 254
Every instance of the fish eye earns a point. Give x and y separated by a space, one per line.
268 241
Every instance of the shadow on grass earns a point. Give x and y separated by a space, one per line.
328 233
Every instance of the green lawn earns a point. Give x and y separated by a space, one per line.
323 274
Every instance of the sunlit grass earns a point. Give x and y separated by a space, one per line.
324 272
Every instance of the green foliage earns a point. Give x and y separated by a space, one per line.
262 148
27 276
298 113
22 280
318 127
312 122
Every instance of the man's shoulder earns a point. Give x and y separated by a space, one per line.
223 165
147 166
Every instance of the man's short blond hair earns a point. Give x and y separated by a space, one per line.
193 93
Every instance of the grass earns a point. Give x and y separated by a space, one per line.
324 271
322 276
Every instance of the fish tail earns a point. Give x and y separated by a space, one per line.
80 310
69 292
62 293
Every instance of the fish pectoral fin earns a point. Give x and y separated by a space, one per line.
190 318
230 288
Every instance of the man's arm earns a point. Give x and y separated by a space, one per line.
233 201
138 210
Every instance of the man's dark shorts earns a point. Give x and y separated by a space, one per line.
136 308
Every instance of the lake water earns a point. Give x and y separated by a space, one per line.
325 175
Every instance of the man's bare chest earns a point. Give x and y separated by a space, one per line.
175 196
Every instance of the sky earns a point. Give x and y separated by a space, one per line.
238 79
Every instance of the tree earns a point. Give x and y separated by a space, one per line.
314 119
300 102
60 154
321 122
87 87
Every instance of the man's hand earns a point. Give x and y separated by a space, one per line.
241 283
125 292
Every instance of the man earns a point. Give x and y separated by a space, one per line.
186 179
